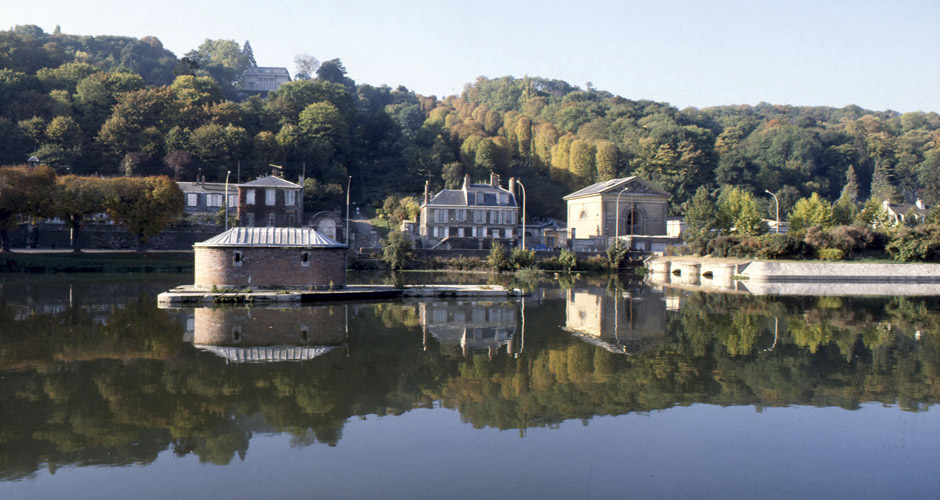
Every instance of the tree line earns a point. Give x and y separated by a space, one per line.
144 205
122 106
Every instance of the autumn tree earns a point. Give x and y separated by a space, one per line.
144 205
811 212
75 198
24 190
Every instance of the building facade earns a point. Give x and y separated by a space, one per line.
270 202
264 79
631 209
270 258
469 217
204 200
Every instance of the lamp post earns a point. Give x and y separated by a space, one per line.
776 204
523 212
348 184
227 172
617 223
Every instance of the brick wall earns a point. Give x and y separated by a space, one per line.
270 268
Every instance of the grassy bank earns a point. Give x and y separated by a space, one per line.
97 262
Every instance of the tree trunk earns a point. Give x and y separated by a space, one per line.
4 240
140 243
74 234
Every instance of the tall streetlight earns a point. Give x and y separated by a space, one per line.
227 172
617 223
348 184
777 204
523 212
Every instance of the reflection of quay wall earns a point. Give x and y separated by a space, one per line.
691 270
471 325
321 325
615 317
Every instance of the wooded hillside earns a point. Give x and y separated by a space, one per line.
122 106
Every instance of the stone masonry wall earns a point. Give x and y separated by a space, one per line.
270 268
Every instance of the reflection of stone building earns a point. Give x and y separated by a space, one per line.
622 321
264 335
470 325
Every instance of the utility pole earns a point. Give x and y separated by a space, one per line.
523 212
348 184
225 199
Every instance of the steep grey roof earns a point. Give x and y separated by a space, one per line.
270 181
449 197
457 197
617 184
280 237
207 187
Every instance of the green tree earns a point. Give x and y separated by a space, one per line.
396 250
811 212
740 208
497 258
704 220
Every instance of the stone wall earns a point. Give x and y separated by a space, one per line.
110 237
261 268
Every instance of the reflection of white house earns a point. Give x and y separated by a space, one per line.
619 321
470 325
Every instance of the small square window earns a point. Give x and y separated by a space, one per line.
304 259
237 258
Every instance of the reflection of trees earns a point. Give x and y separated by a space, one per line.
79 391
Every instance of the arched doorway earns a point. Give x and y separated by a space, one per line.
633 223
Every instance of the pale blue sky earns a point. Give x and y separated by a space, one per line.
876 54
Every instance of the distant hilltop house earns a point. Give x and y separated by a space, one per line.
470 217
630 208
203 200
900 212
264 79
270 201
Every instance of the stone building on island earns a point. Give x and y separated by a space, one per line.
270 258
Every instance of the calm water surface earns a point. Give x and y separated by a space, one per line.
587 389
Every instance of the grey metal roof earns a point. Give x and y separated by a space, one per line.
270 181
266 354
280 237
613 184
457 197
206 187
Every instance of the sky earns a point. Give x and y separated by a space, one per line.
879 55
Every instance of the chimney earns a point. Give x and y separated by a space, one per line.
919 203
202 181
427 194
512 186
466 182
493 181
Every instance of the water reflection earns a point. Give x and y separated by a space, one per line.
469 325
620 321
120 385
260 335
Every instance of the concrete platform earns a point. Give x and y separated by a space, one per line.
189 294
